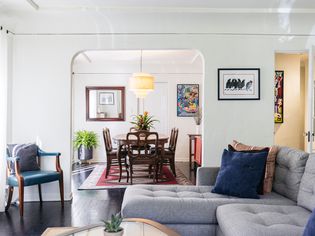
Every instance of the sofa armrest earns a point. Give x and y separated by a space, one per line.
207 175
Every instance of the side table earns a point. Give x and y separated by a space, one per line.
191 149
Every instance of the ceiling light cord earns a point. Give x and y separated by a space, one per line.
141 61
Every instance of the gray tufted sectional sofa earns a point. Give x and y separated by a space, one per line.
195 211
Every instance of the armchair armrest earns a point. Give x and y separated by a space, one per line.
12 158
207 175
42 153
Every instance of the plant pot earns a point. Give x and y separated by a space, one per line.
85 153
120 233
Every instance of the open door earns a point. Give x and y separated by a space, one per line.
309 133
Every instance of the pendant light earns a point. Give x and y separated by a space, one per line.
141 83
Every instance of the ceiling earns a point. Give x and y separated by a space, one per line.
149 56
219 5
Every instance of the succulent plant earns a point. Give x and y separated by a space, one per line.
113 226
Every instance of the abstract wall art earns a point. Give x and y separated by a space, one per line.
279 77
187 100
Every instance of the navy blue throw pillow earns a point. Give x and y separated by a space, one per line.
240 174
260 188
310 226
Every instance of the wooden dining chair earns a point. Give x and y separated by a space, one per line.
169 152
139 154
111 153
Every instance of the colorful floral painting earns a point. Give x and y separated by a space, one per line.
187 99
279 76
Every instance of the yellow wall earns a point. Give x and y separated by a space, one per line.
290 132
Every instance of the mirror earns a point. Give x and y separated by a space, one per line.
105 103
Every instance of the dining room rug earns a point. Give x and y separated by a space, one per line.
96 180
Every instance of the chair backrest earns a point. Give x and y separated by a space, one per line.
142 145
107 140
173 139
133 129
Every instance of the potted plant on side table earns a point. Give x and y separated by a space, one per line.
84 142
112 227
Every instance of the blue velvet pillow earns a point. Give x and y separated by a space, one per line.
310 226
240 174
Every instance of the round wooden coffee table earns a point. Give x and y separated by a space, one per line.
132 227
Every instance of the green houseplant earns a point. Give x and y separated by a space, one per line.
143 122
112 227
85 141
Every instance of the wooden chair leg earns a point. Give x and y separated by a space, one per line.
40 193
156 174
127 170
120 172
131 172
172 164
11 189
61 190
108 165
21 197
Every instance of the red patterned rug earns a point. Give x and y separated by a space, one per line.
96 180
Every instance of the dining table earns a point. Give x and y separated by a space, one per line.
121 141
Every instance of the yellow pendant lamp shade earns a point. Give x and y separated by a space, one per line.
141 84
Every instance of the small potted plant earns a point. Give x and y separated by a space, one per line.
85 141
112 227
143 122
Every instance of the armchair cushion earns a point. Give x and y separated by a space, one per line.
34 177
27 154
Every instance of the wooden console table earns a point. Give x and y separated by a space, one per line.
191 149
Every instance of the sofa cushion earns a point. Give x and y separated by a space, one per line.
183 204
306 197
290 166
270 164
240 173
253 219
310 226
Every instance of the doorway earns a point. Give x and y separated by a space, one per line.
291 99
112 68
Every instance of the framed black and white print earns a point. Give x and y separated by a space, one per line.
106 98
238 84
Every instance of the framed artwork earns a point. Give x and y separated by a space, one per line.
106 98
279 77
187 99
238 84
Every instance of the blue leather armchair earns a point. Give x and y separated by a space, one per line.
20 179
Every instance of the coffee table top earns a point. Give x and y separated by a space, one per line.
132 227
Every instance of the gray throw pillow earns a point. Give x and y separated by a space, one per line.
28 156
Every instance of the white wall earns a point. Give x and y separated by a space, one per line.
42 67
111 73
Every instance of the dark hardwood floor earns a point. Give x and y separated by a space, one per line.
87 207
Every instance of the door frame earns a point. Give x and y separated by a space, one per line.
309 129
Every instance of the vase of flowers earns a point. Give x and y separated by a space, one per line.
143 122
197 118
